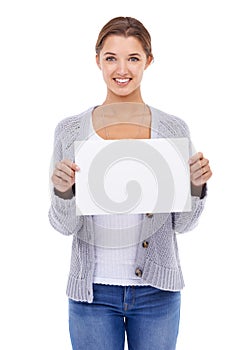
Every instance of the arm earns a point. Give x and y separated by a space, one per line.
62 212
200 173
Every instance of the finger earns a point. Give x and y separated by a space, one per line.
61 184
200 172
68 167
63 168
202 180
201 177
71 164
199 164
195 158
64 176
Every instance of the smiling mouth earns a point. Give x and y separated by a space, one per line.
122 82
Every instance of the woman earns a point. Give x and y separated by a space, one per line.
133 287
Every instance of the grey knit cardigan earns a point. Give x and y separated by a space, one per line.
157 262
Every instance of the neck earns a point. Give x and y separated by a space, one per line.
111 98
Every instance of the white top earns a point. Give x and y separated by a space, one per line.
116 239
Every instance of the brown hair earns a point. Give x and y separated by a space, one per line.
125 26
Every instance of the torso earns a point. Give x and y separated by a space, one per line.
121 124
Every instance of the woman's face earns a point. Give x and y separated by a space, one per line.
123 61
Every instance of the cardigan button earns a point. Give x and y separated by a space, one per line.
138 272
149 215
145 244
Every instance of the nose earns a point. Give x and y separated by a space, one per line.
122 68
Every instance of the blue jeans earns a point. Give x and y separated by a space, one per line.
149 316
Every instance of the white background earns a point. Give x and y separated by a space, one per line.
202 74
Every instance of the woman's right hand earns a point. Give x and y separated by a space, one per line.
63 177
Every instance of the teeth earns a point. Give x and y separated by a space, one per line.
122 80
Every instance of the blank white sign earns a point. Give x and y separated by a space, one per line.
132 176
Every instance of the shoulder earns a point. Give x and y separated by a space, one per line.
174 125
70 126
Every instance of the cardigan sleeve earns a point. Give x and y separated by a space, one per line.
62 212
187 221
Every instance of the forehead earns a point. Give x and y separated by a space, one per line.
120 44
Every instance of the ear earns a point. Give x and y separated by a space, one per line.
98 61
148 61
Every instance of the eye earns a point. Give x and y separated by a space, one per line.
110 58
134 59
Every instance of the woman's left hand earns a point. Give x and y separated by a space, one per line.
200 171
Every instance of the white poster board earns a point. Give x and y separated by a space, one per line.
132 176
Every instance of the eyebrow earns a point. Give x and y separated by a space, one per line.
109 53
114 54
135 54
